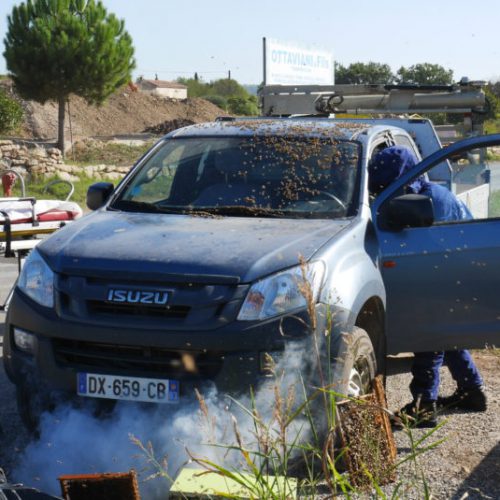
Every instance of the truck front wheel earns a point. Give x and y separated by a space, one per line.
353 363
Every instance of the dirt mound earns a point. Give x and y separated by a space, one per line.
125 112
168 126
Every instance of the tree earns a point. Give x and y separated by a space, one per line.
243 106
494 88
228 88
195 88
218 100
425 74
363 73
55 48
493 101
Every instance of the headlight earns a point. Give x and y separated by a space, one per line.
283 292
37 280
25 341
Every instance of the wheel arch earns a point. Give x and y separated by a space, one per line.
371 318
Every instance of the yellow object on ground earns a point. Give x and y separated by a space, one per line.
198 483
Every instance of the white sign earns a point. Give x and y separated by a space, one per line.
288 63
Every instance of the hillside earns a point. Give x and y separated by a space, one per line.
125 112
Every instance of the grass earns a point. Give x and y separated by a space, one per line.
289 441
494 208
109 153
59 191
492 126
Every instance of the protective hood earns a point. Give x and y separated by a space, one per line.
390 164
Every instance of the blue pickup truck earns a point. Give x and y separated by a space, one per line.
193 268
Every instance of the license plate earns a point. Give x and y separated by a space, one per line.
149 390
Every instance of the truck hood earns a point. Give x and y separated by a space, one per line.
176 247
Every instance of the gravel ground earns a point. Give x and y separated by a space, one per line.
467 463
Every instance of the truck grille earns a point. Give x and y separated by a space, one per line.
137 360
190 306
101 307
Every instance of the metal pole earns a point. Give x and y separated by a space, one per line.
264 60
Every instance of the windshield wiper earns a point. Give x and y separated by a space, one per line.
143 206
241 210
238 210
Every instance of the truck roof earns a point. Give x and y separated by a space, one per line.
299 127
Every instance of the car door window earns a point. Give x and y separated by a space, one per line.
403 140
476 181
441 280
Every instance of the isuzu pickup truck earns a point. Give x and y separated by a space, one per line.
193 269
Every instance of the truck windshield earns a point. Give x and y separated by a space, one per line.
256 176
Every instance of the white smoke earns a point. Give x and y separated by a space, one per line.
73 441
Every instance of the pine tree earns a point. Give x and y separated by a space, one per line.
55 48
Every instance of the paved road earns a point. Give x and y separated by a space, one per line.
12 434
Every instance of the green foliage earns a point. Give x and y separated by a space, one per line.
54 48
425 74
228 88
36 187
195 87
57 47
218 100
492 126
494 208
227 94
493 100
243 106
494 87
11 113
363 73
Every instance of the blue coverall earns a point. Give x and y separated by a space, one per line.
386 167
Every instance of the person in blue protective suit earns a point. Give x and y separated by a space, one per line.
387 166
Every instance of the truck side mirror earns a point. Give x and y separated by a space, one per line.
98 194
409 210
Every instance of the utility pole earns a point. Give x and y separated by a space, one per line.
229 75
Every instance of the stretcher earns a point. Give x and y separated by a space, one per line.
23 220
26 220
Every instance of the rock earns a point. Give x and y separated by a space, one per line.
19 161
39 153
114 175
65 168
65 176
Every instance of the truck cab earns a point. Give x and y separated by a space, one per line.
230 241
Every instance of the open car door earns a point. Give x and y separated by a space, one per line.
443 278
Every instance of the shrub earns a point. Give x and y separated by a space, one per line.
11 113
218 100
242 106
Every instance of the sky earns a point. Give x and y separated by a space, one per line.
179 38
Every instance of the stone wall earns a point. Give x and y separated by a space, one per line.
38 161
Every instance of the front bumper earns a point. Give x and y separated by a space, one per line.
229 356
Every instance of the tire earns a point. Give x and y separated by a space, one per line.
349 371
353 370
353 363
